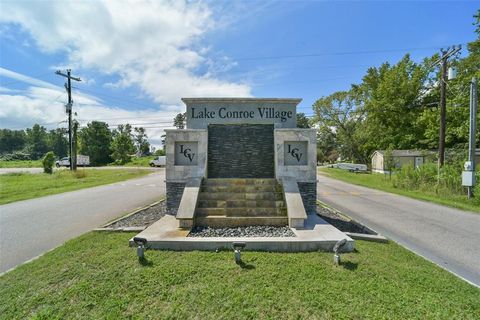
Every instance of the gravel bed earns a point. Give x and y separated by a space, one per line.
253 231
142 218
146 217
340 222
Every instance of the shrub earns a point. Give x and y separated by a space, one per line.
48 161
427 178
16 155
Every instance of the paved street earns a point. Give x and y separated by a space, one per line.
31 227
446 236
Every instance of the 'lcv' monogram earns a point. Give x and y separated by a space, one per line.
187 153
295 152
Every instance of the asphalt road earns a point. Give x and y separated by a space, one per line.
443 235
446 236
31 227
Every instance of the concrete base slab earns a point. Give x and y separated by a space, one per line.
316 235
367 237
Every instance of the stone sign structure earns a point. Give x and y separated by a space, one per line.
241 161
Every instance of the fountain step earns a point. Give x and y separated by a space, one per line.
227 203
241 212
227 221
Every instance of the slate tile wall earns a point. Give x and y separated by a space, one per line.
174 195
241 151
308 191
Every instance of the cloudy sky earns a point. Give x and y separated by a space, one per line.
136 59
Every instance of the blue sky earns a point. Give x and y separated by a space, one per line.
137 59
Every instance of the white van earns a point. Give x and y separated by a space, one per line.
158 161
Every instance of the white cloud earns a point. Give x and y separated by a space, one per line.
44 103
156 45
23 78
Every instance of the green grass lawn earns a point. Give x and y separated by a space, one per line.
137 162
96 276
383 182
21 164
21 186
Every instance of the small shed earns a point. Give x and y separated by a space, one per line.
401 157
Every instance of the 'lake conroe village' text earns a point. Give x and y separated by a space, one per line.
223 113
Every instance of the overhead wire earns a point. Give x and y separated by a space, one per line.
337 53
238 59
16 81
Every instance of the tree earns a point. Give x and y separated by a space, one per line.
58 142
302 121
179 120
123 146
12 140
164 142
141 143
457 120
393 97
342 111
394 106
159 152
95 140
326 143
37 144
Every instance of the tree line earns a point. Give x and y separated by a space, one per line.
396 106
96 140
32 143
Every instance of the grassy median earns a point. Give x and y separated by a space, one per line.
21 186
21 164
97 276
137 162
384 183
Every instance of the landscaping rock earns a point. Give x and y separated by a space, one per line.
252 231
142 218
340 222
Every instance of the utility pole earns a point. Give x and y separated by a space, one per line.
68 107
443 99
470 165
75 145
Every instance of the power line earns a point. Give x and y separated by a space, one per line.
135 124
16 81
307 55
121 99
302 82
126 118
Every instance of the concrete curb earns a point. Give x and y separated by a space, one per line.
106 227
374 236
367 237
126 229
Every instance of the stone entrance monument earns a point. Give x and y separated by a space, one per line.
241 162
